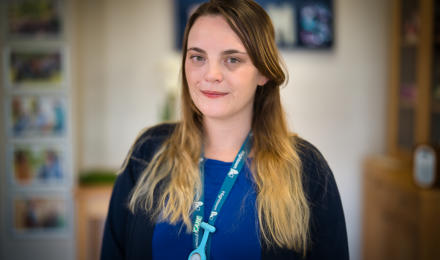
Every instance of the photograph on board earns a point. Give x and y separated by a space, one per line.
38 165
34 19
37 116
39 215
34 67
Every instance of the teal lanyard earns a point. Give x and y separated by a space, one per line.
200 245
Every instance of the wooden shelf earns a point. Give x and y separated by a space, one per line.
407 104
411 63
408 44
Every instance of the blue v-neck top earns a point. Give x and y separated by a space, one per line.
237 232
129 235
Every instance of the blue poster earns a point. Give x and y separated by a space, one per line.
304 24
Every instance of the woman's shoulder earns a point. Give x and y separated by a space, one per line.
327 223
120 220
146 144
317 175
149 140
152 133
310 156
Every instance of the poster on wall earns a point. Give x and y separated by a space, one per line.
37 165
40 215
34 116
34 68
315 24
298 24
33 19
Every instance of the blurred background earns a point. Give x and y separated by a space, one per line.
80 79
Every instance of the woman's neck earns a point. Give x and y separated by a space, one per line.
223 139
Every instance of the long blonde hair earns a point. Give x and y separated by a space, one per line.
168 186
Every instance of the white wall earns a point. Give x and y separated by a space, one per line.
120 45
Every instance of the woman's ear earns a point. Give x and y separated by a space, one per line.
262 80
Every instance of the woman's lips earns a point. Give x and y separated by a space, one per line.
213 94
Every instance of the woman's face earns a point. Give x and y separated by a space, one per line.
221 77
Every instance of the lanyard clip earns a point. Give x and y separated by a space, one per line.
199 252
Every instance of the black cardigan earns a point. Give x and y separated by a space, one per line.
129 236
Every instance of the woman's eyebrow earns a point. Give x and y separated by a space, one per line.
232 51
196 49
226 52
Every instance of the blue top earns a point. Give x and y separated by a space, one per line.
129 235
237 217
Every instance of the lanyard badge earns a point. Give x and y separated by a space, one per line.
199 253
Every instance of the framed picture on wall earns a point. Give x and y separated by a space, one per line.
37 165
36 116
40 214
298 24
315 24
35 68
26 19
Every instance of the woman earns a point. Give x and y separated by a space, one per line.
229 181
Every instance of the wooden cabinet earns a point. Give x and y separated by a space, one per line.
91 207
414 107
400 220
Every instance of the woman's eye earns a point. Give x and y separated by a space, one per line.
197 58
232 60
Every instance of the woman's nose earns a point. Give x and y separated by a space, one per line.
213 73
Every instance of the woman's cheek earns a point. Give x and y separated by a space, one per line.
190 74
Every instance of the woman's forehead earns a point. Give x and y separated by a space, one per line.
212 32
